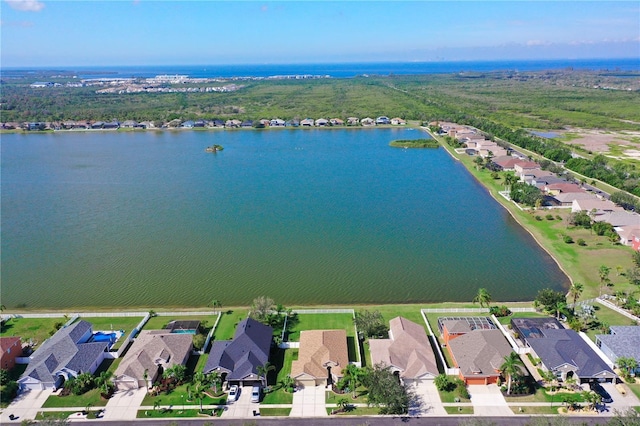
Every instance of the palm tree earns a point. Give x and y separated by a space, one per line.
559 307
352 374
603 271
509 179
512 365
620 296
288 382
627 365
215 304
483 297
263 370
215 379
575 291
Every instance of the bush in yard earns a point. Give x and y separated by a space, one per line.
461 389
581 242
500 311
443 383
538 218
549 217
567 239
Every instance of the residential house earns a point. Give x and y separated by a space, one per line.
187 124
368 122
635 242
128 124
565 199
152 352
622 341
238 360
66 354
217 123
599 207
321 122
478 355
10 349
307 122
562 351
277 122
397 121
407 351
234 124
199 123
336 122
246 124
505 162
383 120
353 121
619 218
322 356
453 327
562 187
523 166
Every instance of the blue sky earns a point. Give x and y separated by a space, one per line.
140 32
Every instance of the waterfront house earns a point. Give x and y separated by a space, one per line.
336 122
397 121
565 199
322 356
234 124
562 187
598 206
453 327
321 122
66 354
407 351
237 360
217 123
522 167
246 124
10 349
128 124
152 352
187 124
307 122
277 122
562 351
622 341
478 355
199 123
353 121
368 121
383 120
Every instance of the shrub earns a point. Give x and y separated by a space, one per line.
500 311
538 218
558 217
581 242
443 383
549 217
461 389
567 239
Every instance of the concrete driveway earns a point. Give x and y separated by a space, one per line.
124 404
430 403
242 407
620 402
488 401
25 406
309 402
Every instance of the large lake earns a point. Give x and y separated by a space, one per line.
148 219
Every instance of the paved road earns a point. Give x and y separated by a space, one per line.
346 421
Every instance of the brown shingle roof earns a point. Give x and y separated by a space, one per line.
480 352
320 349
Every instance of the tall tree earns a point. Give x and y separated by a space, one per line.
603 271
512 365
215 304
482 297
575 291
261 308
352 373
370 323
263 371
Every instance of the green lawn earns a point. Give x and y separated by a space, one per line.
228 322
38 329
281 359
92 397
43 415
608 316
463 409
450 396
635 388
321 322
534 410
179 396
542 396
272 412
361 396
158 322
357 411
177 412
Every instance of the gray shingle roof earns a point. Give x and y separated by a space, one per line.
624 341
64 350
559 347
241 356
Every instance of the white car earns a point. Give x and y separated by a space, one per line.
255 394
234 392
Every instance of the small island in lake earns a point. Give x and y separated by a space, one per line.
214 148
415 143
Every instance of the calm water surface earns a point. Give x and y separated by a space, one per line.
319 216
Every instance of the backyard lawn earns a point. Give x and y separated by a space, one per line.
38 329
228 321
158 322
321 322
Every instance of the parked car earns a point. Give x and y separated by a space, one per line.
234 393
255 394
597 388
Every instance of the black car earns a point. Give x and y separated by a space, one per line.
597 388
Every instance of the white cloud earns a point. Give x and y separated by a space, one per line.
20 24
538 43
25 5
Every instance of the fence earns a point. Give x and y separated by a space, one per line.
470 310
